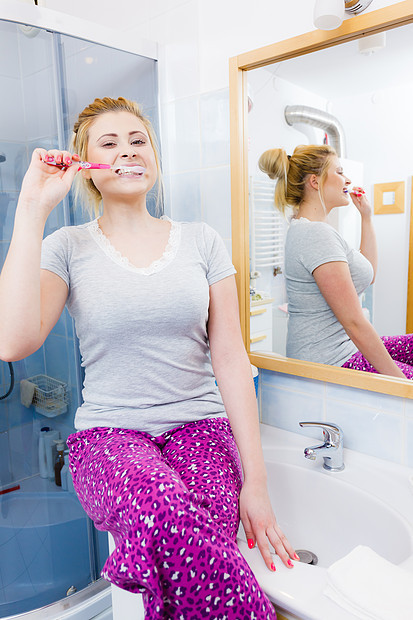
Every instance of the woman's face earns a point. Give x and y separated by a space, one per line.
121 139
335 188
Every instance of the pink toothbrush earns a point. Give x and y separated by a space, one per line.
91 166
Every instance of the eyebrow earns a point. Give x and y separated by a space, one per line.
115 135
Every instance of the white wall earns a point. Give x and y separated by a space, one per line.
384 145
216 29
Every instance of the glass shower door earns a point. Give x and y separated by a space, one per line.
38 519
48 546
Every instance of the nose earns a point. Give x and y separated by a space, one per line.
127 153
126 150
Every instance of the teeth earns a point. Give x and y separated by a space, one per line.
130 171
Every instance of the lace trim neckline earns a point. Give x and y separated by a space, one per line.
156 266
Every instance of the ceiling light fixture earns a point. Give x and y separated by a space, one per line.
329 14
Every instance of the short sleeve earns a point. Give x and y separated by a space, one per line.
219 264
323 245
54 255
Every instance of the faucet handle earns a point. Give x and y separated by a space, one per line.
332 433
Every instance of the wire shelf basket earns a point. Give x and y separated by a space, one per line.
50 396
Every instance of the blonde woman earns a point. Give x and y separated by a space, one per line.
324 276
162 458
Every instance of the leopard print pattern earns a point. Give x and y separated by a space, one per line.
171 504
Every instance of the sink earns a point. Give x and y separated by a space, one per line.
330 517
369 503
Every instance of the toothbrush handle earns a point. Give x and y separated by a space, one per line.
91 166
82 164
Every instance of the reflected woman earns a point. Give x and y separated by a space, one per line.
324 276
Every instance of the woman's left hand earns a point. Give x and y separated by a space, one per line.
358 196
261 526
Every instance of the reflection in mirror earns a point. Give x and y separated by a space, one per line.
356 97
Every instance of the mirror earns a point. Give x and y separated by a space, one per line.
351 87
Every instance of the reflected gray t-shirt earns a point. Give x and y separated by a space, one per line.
142 332
314 333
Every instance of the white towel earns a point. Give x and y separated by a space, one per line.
26 392
370 587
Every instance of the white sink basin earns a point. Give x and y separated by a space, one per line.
329 514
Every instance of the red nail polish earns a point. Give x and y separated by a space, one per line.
297 557
251 543
290 564
273 567
68 161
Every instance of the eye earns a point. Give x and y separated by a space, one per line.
108 144
138 141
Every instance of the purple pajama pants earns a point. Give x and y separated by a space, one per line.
400 349
171 504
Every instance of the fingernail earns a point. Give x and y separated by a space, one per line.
297 557
273 567
250 543
80 168
68 161
290 564
49 158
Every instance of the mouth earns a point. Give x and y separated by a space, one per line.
345 190
130 171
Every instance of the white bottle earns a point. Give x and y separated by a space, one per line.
70 486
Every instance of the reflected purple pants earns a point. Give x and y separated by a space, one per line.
171 504
400 349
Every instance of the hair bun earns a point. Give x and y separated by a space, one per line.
274 163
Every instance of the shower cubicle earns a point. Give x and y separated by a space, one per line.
50 553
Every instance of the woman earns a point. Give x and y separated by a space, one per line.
324 276
154 460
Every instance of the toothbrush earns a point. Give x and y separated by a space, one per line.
92 166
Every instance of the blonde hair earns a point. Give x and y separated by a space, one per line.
292 171
84 189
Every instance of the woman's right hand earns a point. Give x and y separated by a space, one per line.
359 198
44 186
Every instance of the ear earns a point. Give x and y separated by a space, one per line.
313 181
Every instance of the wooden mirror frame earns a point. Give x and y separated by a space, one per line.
393 16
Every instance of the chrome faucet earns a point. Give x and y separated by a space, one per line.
332 448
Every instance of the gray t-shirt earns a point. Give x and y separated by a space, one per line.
142 331
314 333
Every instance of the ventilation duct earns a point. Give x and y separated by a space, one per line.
295 114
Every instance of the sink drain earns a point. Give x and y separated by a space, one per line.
307 557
